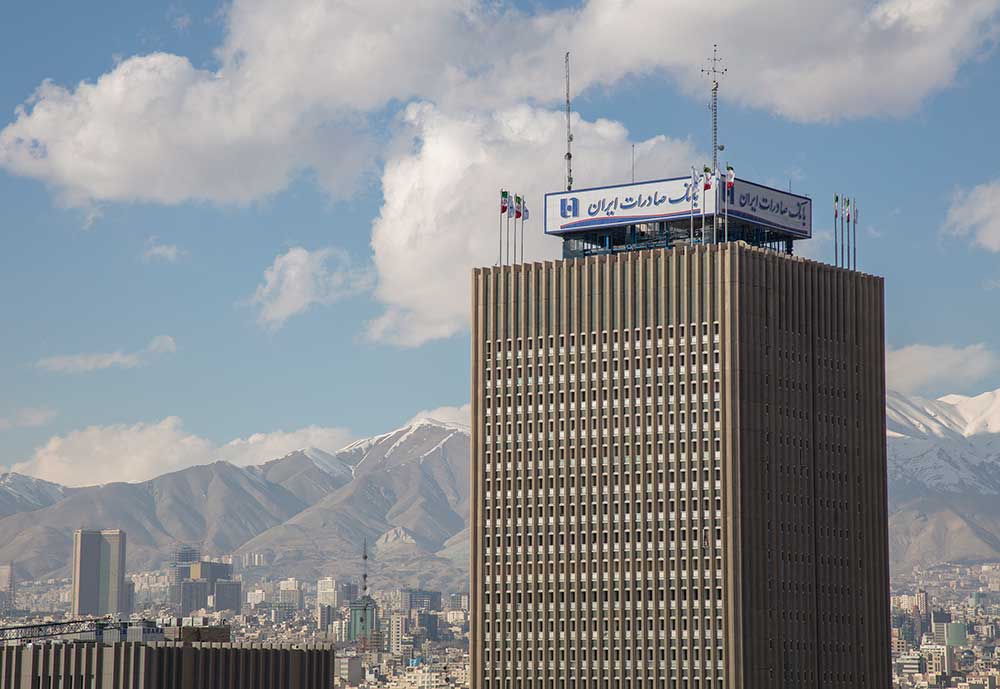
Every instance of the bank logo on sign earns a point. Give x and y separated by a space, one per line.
569 208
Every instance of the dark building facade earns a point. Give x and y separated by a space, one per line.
164 665
678 473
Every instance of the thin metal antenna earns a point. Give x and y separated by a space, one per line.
715 73
364 575
569 135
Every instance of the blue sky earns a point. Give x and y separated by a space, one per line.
260 217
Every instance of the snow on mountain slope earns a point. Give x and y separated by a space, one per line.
951 444
408 497
944 478
20 493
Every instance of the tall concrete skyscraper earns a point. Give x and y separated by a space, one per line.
99 573
678 466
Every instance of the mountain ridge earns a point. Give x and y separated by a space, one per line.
406 493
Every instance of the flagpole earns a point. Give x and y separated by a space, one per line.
703 211
515 229
509 201
726 200
836 209
843 235
694 184
523 212
500 231
715 218
847 234
855 234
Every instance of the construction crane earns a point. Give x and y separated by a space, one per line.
48 630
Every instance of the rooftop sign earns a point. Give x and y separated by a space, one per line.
586 210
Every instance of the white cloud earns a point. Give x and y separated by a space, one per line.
28 417
440 214
161 252
85 363
137 452
300 278
162 344
458 415
285 98
975 213
102 454
261 447
933 370
804 61
181 22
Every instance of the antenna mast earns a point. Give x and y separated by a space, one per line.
364 575
569 135
715 73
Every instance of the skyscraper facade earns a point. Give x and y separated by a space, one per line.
99 573
678 473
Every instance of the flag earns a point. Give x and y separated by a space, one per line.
510 207
836 206
730 177
517 207
847 209
525 209
707 178
503 202
694 183
857 215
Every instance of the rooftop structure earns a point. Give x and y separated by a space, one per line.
676 211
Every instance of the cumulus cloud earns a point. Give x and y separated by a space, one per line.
28 417
285 98
439 217
975 214
85 363
102 454
932 370
137 452
457 415
261 447
791 58
300 278
155 251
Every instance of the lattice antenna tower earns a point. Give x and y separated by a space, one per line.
364 574
569 135
716 72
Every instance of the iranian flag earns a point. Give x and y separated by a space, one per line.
730 177
707 177
503 202
847 209
517 207
836 206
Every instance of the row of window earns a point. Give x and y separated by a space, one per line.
518 344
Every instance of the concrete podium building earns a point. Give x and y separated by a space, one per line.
678 465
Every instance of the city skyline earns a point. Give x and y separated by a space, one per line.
232 288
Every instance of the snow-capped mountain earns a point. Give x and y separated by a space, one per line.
405 492
408 497
951 444
20 493
944 478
